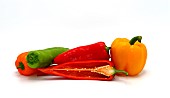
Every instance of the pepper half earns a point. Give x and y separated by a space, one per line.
84 70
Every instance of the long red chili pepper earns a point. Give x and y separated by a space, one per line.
84 70
96 51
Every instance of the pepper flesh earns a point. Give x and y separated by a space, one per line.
96 51
129 55
84 70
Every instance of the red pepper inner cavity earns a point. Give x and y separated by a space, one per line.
81 74
81 70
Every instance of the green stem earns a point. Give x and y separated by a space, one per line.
107 49
32 58
120 71
21 65
134 39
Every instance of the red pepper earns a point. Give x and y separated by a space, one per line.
84 70
96 51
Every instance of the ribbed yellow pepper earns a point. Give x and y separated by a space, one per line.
129 55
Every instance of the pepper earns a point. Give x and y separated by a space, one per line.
95 51
44 57
129 55
84 70
22 66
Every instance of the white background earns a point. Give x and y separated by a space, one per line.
36 24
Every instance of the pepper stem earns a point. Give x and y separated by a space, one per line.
21 65
32 58
107 49
134 39
120 71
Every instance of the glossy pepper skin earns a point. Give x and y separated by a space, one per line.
96 51
129 55
22 65
84 70
43 57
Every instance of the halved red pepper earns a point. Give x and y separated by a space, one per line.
84 70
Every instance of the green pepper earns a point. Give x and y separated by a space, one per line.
43 58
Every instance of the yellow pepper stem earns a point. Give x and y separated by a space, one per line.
134 39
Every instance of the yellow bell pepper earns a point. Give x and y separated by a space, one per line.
129 55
